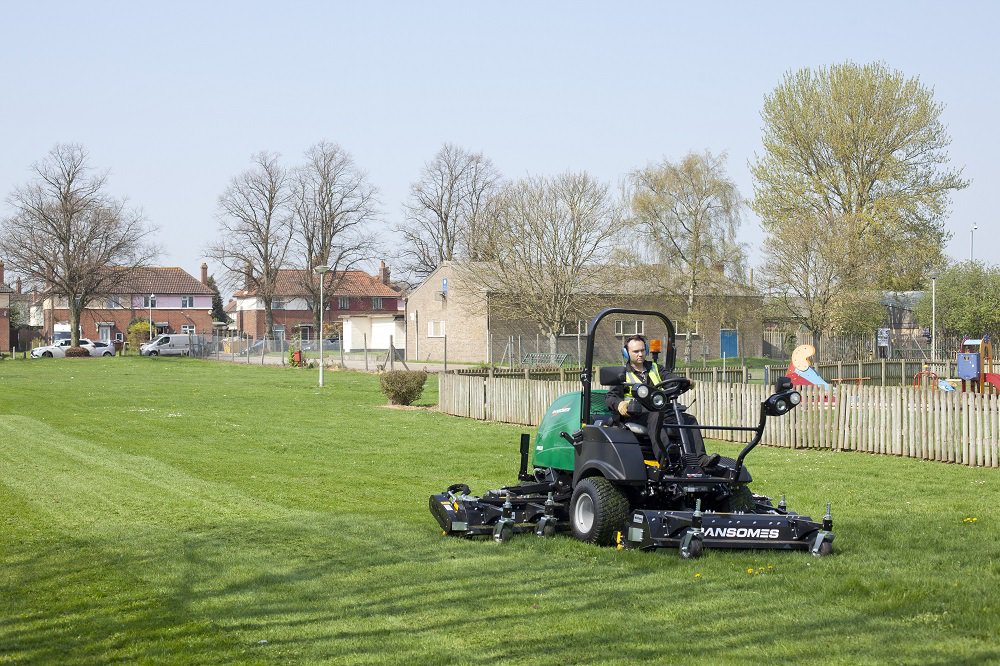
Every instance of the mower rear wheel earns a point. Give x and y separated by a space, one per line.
597 511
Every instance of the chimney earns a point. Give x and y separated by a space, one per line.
18 286
383 272
204 273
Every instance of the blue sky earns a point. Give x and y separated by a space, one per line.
173 98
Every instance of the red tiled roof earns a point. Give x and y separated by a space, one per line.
349 283
160 280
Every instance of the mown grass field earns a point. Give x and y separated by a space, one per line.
182 511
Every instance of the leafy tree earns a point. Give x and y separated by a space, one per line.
689 213
968 300
446 215
852 189
69 234
218 309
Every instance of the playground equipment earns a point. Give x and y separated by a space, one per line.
975 365
800 370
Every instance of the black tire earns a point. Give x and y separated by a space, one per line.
107 354
825 548
549 531
504 534
47 354
597 511
154 353
695 550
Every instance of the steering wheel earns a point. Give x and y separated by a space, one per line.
674 386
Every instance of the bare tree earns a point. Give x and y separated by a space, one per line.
69 234
333 205
811 274
255 229
445 213
549 236
689 213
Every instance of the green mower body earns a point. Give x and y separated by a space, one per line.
552 449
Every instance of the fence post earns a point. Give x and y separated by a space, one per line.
364 337
392 355
446 354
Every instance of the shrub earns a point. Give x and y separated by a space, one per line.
402 387
76 352
138 333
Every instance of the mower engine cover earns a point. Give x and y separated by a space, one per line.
563 415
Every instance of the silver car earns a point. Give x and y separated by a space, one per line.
58 350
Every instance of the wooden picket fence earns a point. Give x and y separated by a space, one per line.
923 423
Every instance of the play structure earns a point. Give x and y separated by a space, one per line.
800 369
647 487
975 365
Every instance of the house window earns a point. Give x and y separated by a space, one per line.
575 329
343 302
376 302
112 303
188 328
278 304
187 301
435 329
149 301
628 327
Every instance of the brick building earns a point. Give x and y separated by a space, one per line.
176 301
364 307
444 310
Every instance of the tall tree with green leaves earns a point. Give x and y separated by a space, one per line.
861 149
968 300
689 213
218 309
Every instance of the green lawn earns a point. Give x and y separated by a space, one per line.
185 511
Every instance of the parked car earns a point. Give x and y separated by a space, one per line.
101 348
170 344
58 349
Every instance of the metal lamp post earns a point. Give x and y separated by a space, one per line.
933 316
151 297
972 243
321 271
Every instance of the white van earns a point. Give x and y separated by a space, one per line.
168 344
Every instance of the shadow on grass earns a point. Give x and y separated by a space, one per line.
355 592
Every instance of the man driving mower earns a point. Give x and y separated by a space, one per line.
620 401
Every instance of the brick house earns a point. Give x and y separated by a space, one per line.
443 310
365 307
176 301
5 296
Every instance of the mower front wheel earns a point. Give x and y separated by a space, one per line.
597 511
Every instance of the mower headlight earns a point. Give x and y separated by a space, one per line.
642 392
795 397
659 400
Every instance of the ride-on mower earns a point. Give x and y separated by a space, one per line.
640 487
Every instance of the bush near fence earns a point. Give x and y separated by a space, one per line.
915 423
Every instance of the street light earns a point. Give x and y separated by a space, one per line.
321 271
151 297
972 243
934 317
